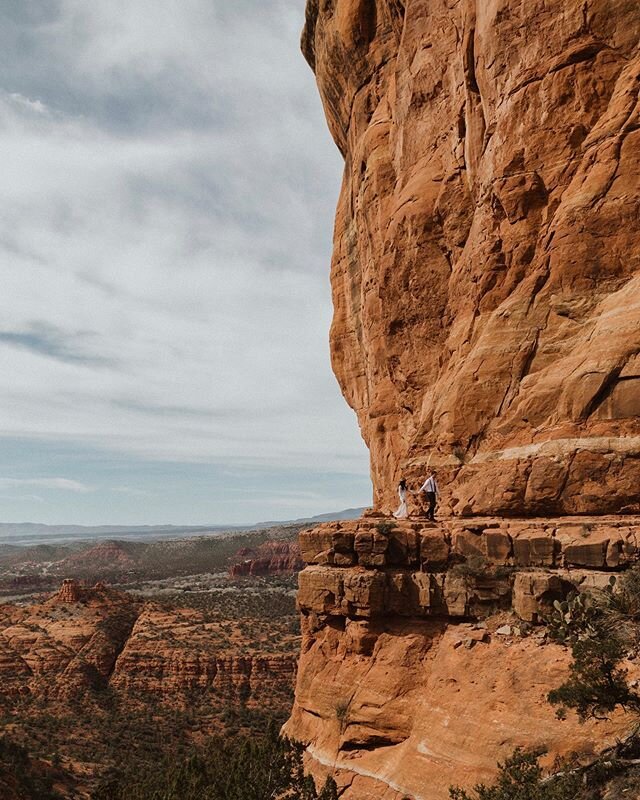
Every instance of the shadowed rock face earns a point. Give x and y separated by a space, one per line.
486 267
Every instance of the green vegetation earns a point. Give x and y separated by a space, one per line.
614 775
475 567
128 739
342 709
20 777
114 736
385 528
129 562
237 768
602 628
597 684
521 778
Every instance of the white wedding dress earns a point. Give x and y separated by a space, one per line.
403 511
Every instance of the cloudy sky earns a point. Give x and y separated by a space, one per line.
168 188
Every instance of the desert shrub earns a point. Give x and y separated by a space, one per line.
22 775
574 618
228 768
521 778
461 454
474 567
597 684
385 528
342 709
622 606
600 627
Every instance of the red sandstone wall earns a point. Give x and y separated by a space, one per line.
486 267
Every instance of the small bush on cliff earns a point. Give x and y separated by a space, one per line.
385 528
474 566
597 684
601 629
342 709
521 778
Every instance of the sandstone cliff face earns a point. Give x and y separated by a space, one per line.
486 268
90 638
173 653
270 558
419 666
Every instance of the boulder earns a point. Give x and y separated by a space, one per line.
534 594
321 589
434 549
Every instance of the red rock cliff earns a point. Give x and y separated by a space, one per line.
486 267
486 288
419 667
270 558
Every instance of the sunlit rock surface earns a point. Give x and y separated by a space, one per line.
487 245
421 663
486 289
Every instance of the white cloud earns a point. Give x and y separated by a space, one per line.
168 190
61 484
183 270
36 106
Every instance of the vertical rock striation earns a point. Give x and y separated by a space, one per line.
486 288
486 267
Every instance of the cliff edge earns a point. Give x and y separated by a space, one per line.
486 289
421 662
486 266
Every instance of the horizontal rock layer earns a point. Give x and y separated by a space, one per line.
486 264
572 541
417 669
171 654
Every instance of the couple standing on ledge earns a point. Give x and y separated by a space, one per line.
429 487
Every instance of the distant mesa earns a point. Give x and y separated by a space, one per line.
270 558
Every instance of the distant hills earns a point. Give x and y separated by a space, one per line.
348 513
16 533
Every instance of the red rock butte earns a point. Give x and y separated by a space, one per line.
69 591
486 265
486 290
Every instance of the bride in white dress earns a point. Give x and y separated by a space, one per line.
403 511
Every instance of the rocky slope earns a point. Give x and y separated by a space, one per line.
99 686
66 644
93 638
419 666
486 267
173 653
